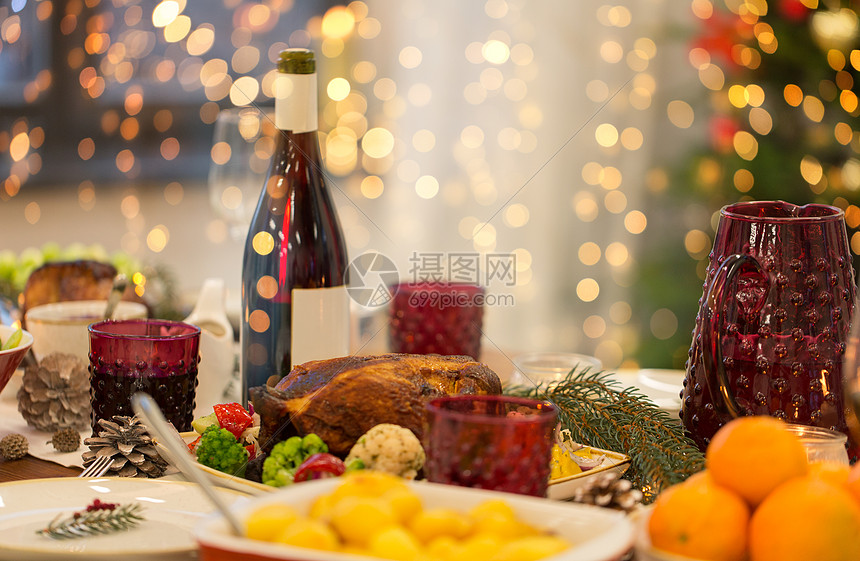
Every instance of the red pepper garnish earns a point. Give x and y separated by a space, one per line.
193 445
252 451
319 466
233 417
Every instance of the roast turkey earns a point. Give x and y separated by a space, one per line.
59 281
340 399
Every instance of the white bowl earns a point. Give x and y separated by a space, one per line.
62 326
10 359
598 534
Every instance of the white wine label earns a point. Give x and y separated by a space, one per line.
296 102
320 324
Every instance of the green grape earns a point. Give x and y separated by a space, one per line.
97 252
51 251
75 251
8 264
31 257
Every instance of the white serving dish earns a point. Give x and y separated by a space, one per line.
219 477
598 534
558 489
565 487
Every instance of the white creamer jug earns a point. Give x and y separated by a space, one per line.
217 349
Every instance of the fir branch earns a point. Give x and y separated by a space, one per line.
89 522
599 412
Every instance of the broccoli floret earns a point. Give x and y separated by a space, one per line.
220 450
313 444
286 456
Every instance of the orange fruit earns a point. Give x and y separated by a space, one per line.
700 519
752 456
852 482
831 472
803 519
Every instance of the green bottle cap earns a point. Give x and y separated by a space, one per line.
297 61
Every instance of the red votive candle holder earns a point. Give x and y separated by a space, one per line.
158 357
490 442
436 317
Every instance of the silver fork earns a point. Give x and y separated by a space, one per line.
99 467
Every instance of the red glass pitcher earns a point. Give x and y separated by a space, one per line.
773 321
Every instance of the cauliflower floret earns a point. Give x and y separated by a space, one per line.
389 448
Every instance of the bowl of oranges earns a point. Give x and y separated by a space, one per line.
371 515
760 498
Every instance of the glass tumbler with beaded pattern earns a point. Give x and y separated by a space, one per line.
490 442
158 357
436 317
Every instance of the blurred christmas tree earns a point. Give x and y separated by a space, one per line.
782 108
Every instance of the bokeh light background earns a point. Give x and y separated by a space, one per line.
543 129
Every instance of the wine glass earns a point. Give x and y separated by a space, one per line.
242 147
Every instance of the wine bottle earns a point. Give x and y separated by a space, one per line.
295 307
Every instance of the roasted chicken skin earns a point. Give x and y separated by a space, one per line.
340 399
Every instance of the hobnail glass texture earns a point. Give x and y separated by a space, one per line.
773 321
490 442
436 317
158 357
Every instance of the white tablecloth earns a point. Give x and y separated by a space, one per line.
39 442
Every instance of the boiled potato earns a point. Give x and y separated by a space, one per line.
395 543
529 549
266 522
378 515
306 532
356 519
433 523
404 502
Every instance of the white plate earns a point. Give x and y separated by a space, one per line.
667 381
565 487
597 534
663 387
171 509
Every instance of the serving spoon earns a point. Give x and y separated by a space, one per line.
119 283
147 409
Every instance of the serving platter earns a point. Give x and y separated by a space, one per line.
170 508
558 489
565 487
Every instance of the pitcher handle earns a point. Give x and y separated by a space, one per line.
712 355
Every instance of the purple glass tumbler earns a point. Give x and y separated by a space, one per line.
436 317
158 357
490 442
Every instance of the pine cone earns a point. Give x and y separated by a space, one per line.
608 490
66 440
55 394
128 442
14 447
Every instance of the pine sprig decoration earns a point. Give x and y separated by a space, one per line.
599 412
98 518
